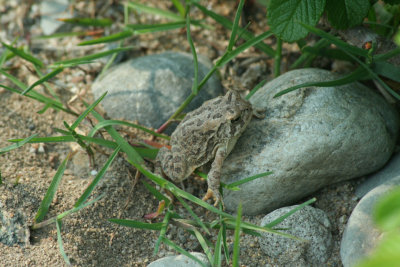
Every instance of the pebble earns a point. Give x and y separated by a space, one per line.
180 261
310 224
309 138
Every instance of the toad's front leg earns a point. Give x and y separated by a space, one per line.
214 176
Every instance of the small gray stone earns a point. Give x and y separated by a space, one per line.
180 261
392 169
149 89
361 236
310 224
309 138
51 10
13 228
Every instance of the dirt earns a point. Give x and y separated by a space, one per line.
89 238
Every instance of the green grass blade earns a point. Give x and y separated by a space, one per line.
118 122
24 55
236 247
76 209
194 216
204 245
110 38
255 89
178 5
87 111
43 79
182 251
217 261
97 179
283 217
156 193
88 21
194 54
17 145
251 42
235 26
60 243
137 224
228 24
61 35
336 41
248 179
48 198
89 58
387 55
153 10
356 75
147 28
163 231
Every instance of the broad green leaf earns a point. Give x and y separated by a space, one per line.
48 198
17 145
88 22
110 38
343 14
284 17
24 55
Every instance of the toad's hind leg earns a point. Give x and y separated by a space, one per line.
214 176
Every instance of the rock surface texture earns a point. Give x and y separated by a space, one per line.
149 89
310 224
309 138
361 235
180 261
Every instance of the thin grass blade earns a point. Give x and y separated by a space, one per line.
178 5
359 74
87 111
163 231
18 144
194 216
182 251
217 260
110 38
89 58
60 243
133 125
204 245
88 21
235 26
387 70
194 54
148 28
153 10
137 224
24 55
156 193
43 79
97 179
236 242
248 179
48 198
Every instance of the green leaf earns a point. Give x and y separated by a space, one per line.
24 55
17 145
43 79
284 17
48 198
88 21
387 211
343 14
97 179
87 111
89 58
248 179
387 70
110 38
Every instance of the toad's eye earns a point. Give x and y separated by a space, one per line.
236 119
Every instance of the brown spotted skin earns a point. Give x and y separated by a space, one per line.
206 134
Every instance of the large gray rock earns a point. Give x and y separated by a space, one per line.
310 224
150 88
180 261
309 138
361 236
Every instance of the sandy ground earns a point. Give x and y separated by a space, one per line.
89 239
